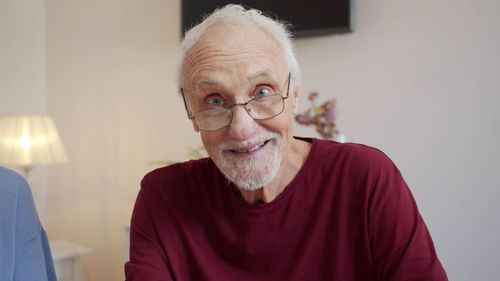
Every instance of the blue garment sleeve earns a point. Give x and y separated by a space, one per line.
24 248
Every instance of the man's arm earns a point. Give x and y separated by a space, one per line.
401 245
147 257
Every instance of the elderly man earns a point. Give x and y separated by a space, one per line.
267 205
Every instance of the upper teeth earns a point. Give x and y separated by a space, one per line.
251 149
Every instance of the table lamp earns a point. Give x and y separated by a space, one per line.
29 140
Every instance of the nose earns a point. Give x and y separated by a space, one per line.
242 126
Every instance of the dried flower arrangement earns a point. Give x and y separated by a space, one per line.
322 117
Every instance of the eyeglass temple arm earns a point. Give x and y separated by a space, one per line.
190 117
288 86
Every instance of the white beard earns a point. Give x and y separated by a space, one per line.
254 172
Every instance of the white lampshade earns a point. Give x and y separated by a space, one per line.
28 140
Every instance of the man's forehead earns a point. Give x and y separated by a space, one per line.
229 54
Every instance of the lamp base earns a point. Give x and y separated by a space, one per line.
26 171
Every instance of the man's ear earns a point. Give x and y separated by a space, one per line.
194 126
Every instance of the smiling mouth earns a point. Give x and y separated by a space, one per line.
250 149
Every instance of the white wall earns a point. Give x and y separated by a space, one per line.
22 74
112 90
420 80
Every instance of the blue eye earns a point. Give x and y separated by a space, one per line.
262 92
215 101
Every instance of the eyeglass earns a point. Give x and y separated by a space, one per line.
259 108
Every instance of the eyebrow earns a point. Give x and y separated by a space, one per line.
202 81
255 76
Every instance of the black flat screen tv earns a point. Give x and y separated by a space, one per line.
308 17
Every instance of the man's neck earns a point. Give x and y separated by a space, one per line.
249 196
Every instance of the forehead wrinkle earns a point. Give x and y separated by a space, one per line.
205 57
208 56
206 50
201 73
214 63
263 73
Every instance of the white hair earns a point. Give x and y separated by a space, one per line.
236 14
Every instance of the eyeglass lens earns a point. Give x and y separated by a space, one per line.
259 109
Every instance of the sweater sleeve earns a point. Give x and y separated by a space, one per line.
34 260
148 260
24 249
401 245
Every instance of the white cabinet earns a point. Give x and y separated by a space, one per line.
126 227
68 262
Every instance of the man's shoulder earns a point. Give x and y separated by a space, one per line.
360 167
355 153
351 161
180 184
179 173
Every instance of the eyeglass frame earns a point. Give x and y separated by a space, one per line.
244 104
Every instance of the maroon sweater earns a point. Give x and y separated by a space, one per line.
347 216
